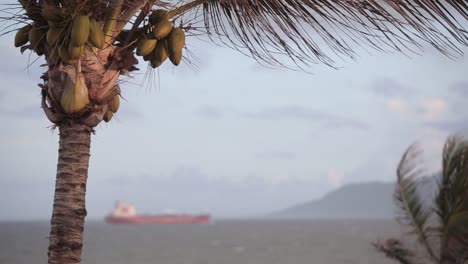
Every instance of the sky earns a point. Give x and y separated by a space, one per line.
233 138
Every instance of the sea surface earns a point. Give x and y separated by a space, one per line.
221 242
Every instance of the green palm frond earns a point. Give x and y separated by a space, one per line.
309 31
452 201
413 211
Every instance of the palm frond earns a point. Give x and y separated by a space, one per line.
452 201
394 249
413 211
309 31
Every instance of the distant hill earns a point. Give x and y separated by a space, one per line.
353 201
373 200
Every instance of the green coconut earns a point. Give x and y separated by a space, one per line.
175 44
53 34
75 52
79 31
75 96
36 35
96 35
22 36
108 116
145 46
162 29
159 54
157 16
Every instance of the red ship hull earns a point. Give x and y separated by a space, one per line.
158 219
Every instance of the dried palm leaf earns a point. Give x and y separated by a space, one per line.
309 31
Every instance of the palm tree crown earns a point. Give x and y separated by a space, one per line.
440 225
87 45
103 35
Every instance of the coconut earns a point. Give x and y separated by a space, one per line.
159 54
22 36
145 46
157 16
75 96
79 31
53 34
75 52
35 37
54 54
53 14
96 35
175 44
148 57
108 116
115 104
34 12
40 50
162 29
64 55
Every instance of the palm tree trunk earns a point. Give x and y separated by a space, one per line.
67 224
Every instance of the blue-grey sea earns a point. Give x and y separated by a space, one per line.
220 242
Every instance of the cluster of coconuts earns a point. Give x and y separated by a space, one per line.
65 36
64 40
161 40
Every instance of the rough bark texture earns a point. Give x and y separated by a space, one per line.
67 224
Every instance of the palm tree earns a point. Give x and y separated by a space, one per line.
87 45
440 225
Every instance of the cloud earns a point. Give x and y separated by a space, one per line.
27 112
209 112
434 109
422 110
391 88
277 155
444 115
396 106
450 126
128 112
335 177
35 112
297 112
19 66
188 189
460 88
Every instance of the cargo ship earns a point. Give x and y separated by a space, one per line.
124 213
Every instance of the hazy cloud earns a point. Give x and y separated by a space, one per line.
27 112
388 87
335 177
297 112
450 126
277 155
128 112
433 109
209 112
460 88
395 105
188 189
21 66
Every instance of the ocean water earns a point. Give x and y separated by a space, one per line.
221 242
